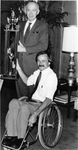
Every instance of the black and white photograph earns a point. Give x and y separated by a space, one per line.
39 75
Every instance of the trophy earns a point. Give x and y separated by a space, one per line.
12 22
10 53
11 63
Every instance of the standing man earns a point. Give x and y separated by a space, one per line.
30 43
22 112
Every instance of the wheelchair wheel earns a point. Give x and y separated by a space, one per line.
50 126
5 148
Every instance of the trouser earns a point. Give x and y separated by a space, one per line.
17 117
22 89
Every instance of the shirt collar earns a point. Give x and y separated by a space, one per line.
45 71
32 22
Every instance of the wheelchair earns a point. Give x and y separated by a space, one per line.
49 129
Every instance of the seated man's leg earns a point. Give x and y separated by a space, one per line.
22 120
26 110
11 118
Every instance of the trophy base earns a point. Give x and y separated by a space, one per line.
9 77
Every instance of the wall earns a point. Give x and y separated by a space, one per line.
71 8
55 40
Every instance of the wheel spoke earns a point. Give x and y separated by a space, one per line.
51 124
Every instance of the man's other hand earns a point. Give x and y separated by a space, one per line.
21 48
32 119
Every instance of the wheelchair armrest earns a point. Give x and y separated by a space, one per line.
52 103
23 98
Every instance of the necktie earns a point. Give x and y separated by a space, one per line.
27 32
35 87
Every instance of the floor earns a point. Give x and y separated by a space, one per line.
69 139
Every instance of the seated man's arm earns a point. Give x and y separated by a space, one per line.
43 105
21 73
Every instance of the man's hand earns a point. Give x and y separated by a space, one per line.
32 119
9 50
21 48
21 73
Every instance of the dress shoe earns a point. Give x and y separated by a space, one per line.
16 144
8 140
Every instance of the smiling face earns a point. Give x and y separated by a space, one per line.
32 10
43 62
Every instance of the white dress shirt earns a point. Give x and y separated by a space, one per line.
27 23
47 85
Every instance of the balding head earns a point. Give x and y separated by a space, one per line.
31 4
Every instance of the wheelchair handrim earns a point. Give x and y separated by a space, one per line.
59 129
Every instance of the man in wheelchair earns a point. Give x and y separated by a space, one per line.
24 111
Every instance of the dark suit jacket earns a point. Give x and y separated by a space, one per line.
36 41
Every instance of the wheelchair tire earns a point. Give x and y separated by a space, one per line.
50 126
5 148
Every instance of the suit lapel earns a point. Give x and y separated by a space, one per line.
37 24
32 30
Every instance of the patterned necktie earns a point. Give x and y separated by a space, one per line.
27 32
35 87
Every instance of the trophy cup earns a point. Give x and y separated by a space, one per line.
12 21
10 54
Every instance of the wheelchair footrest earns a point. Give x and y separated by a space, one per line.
14 143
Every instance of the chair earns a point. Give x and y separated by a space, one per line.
64 95
49 129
